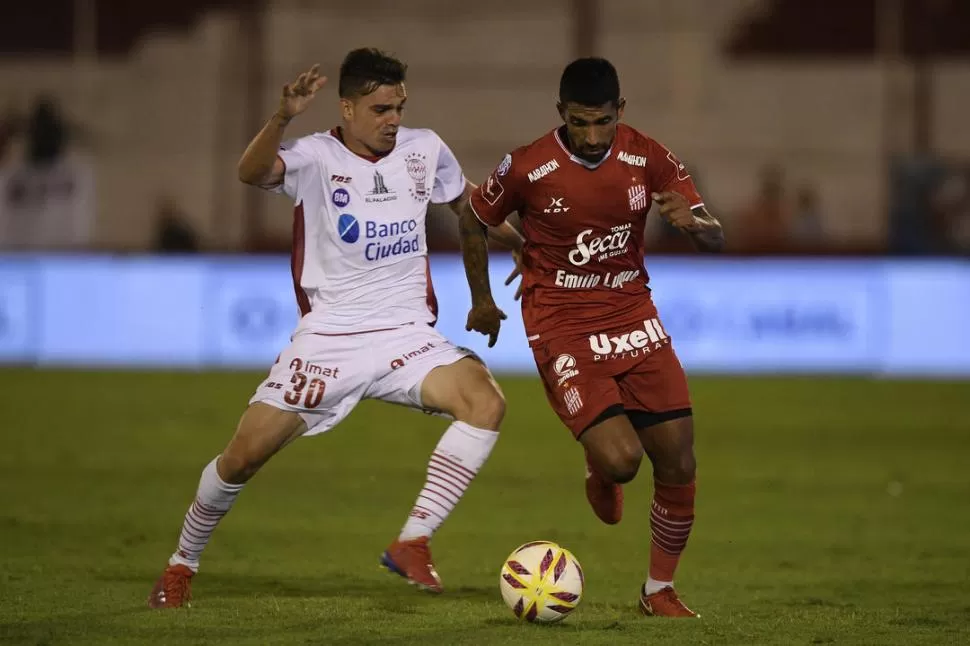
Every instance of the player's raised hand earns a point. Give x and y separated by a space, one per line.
675 209
516 272
486 318
298 94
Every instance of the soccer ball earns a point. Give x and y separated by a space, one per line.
541 582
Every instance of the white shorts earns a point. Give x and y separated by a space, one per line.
323 377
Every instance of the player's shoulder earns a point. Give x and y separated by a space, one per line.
527 157
629 138
319 143
635 148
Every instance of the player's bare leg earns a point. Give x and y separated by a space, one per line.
613 456
466 391
670 446
263 430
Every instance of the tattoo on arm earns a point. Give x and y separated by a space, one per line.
474 250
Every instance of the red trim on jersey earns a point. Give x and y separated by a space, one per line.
338 134
432 300
296 258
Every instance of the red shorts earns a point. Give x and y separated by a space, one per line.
633 367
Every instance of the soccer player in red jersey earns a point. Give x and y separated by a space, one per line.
583 192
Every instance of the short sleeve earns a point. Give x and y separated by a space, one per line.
298 157
449 181
670 174
501 194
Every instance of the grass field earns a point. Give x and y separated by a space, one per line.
830 511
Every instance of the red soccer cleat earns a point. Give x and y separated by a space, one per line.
173 589
605 497
664 603
412 560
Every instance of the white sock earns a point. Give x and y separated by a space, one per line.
460 453
212 501
652 585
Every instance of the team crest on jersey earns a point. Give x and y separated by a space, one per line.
638 198
380 192
418 171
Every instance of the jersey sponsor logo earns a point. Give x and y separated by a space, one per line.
538 173
380 192
632 160
341 198
492 190
556 206
298 364
399 362
682 173
577 281
638 198
385 239
379 233
348 228
565 367
630 344
612 244
340 179
418 171
504 166
589 281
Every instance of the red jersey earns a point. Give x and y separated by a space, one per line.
584 226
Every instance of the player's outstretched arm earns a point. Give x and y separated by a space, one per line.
505 234
703 228
484 316
260 165
709 235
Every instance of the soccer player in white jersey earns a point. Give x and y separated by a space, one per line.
362 284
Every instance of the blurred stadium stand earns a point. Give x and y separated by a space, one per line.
861 102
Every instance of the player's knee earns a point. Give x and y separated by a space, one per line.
484 407
679 469
622 465
235 466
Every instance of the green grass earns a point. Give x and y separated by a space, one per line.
829 511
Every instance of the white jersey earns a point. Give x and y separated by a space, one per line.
359 240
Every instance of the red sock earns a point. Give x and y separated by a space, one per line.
671 518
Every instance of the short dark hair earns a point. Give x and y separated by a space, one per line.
590 82
366 69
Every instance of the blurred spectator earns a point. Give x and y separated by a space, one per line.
929 206
46 199
47 133
173 233
951 211
763 225
807 228
8 128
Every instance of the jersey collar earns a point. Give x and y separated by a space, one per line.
580 160
337 134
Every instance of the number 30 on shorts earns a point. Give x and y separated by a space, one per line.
313 392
